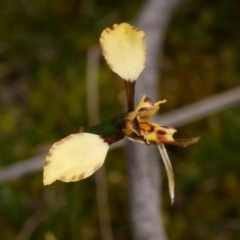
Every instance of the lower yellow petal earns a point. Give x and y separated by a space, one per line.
74 158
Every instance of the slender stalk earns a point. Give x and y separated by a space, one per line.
109 127
168 167
130 87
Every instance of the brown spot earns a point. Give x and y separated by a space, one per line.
81 129
46 163
68 137
165 127
62 178
49 154
166 141
161 132
81 176
60 142
97 167
135 28
146 109
53 147
113 138
143 109
73 177
107 139
136 126
145 140
149 100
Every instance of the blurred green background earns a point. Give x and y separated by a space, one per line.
43 51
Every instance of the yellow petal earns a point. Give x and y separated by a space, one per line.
144 105
74 158
153 132
124 49
144 116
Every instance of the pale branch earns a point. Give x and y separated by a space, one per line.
178 118
142 161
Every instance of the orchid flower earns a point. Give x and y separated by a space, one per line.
81 154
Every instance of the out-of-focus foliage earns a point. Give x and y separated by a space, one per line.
43 47
201 58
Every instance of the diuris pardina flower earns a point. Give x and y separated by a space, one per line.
139 127
81 154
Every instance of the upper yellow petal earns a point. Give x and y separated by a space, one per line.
144 105
145 115
124 49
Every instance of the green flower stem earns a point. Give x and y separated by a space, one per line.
109 127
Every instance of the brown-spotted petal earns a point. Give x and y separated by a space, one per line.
156 133
144 116
124 49
144 105
74 158
133 126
